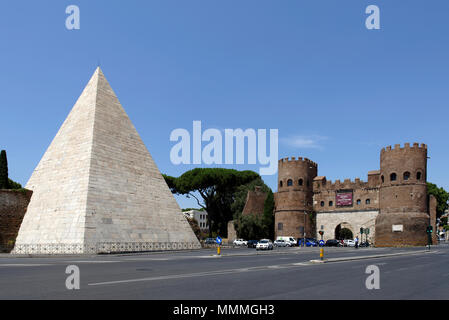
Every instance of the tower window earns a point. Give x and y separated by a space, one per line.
406 175
383 179
308 182
280 183
331 203
322 203
367 201
393 177
300 182
359 201
280 226
289 182
418 175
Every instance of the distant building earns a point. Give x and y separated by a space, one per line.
200 217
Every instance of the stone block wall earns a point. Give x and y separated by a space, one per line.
13 205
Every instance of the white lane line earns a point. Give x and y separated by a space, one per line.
24 265
192 275
87 261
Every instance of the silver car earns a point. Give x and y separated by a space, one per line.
281 243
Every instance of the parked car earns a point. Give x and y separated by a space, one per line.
349 243
281 243
364 244
251 243
332 243
209 241
289 240
309 242
240 242
264 244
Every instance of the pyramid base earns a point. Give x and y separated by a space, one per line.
102 248
414 226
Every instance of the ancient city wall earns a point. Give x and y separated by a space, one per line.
13 205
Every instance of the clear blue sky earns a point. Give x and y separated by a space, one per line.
336 91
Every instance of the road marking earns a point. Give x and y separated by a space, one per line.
23 265
87 261
192 275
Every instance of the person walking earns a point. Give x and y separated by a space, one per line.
356 240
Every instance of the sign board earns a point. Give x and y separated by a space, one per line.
321 243
397 228
218 240
344 198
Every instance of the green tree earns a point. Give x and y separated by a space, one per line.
268 215
253 226
345 233
214 190
242 192
14 185
441 195
4 181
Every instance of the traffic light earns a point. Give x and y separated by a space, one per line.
429 229
321 233
361 230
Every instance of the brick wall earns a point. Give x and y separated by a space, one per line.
13 205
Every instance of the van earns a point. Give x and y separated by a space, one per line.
289 240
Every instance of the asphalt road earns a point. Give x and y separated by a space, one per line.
240 274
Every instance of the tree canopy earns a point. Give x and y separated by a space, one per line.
441 195
216 188
4 181
253 226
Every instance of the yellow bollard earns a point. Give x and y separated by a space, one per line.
321 253
218 250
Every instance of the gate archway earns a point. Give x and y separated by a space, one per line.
344 231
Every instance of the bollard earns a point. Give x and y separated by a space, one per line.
218 250
321 253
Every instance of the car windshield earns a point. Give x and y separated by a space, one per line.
263 241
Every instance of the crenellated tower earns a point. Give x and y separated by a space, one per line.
403 215
294 198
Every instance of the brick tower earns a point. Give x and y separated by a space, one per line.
403 216
294 199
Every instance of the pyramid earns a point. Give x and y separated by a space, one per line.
97 188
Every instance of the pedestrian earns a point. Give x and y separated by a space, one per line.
356 240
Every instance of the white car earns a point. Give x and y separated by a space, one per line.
289 240
240 242
349 243
281 243
264 244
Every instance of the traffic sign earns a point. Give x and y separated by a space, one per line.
218 240
321 243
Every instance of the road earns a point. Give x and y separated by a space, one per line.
240 274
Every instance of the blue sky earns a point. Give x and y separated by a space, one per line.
336 91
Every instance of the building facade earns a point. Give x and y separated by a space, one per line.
200 217
392 205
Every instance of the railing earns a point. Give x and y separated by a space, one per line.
103 247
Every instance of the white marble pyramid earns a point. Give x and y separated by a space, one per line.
97 188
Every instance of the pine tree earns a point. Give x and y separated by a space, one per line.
4 182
